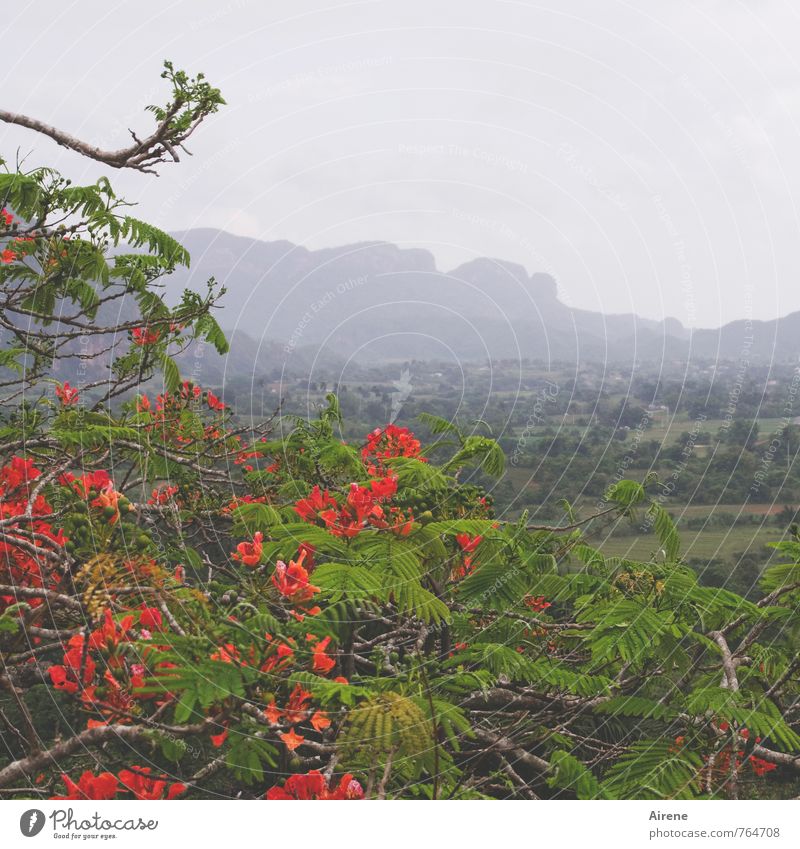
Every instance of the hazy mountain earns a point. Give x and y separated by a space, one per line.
291 307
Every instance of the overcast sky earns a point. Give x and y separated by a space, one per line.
646 154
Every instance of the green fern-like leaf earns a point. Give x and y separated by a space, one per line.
654 769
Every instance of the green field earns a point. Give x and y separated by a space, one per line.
709 544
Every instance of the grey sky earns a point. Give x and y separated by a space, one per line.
644 153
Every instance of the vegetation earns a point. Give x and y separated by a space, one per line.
196 605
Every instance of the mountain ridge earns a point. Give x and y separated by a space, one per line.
375 300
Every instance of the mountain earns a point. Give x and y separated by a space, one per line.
374 301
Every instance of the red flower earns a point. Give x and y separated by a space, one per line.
138 781
384 488
760 766
77 670
228 653
249 553
143 336
90 786
468 543
291 739
7 256
391 441
150 618
320 721
213 402
292 581
296 708
109 497
537 604
218 739
306 550
8 218
313 785
67 394
92 480
161 495
18 472
61 679
322 662
310 508
361 502
109 635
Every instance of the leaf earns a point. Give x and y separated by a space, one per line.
626 493
665 530
568 773
340 580
172 376
654 769
635 706
249 518
482 451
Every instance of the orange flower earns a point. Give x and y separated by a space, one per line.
320 721
272 713
249 553
291 739
292 581
108 497
296 708
322 662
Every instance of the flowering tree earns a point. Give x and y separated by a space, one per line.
192 606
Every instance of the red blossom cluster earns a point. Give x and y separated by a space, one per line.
294 712
112 694
281 656
239 500
18 565
537 603
361 509
213 402
720 767
142 336
467 544
165 414
243 456
19 247
313 785
387 442
137 781
107 497
68 395
162 495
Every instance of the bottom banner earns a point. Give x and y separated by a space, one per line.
466 824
